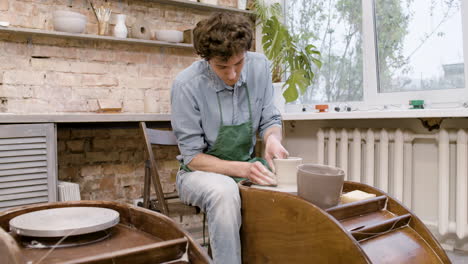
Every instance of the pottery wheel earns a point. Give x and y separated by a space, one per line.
65 221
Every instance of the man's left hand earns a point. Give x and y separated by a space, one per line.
274 149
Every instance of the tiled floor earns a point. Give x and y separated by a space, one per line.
458 257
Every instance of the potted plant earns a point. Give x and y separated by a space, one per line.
283 50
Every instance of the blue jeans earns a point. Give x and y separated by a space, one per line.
218 196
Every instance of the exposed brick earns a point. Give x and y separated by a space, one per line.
50 64
28 105
23 77
129 180
102 156
89 67
75 145
68 174
16 91
97 55
99 80
164 84
63 134
92 105
134 93
103 195
123 132
58 94
133 57
135 83
73 159
88 186
55 52
133 191
70 106
133 106
23 8
12 63
62 78
91 170
131 156
108 169
93 92
4 6
124 169
87 133
131 70
164 95
228 3
107 183
155 59
99 144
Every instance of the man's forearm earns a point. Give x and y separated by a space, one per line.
273 131
205 162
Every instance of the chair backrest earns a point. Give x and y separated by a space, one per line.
161 137
157 137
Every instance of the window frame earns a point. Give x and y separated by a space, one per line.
371 96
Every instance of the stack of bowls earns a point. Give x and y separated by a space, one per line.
68 21
169 35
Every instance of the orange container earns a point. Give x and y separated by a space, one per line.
321 108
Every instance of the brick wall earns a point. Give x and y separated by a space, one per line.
55 75
108 164
49 75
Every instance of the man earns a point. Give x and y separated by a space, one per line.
218 105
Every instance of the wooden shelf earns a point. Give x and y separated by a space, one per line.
201 6
58 34
83 118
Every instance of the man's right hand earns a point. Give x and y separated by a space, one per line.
255 172
259 174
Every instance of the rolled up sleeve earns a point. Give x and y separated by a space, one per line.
186 122
270 114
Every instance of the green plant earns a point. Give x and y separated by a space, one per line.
283 50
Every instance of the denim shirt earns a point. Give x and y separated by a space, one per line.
195 110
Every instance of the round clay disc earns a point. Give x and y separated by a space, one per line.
65 221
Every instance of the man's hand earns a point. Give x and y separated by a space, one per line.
274 149
257 173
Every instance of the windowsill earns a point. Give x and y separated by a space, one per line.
376 114
136 117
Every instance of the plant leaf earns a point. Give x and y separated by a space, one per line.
297 81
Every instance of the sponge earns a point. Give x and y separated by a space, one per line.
355 196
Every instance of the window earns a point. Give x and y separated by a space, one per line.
384 51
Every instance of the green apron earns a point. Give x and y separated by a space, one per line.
233 141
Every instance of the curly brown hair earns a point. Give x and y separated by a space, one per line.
222 35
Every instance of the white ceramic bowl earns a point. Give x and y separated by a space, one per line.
70 22
169 35
64 13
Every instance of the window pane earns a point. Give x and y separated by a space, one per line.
334 26
420 45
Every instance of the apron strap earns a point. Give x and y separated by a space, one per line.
220 111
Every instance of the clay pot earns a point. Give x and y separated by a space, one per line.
286 170
320 184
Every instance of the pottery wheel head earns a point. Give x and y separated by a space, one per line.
65 221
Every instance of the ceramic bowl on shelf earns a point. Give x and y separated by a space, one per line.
169 35
68 21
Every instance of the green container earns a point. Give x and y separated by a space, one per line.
417 104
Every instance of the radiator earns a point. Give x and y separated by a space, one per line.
365 156
68 191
